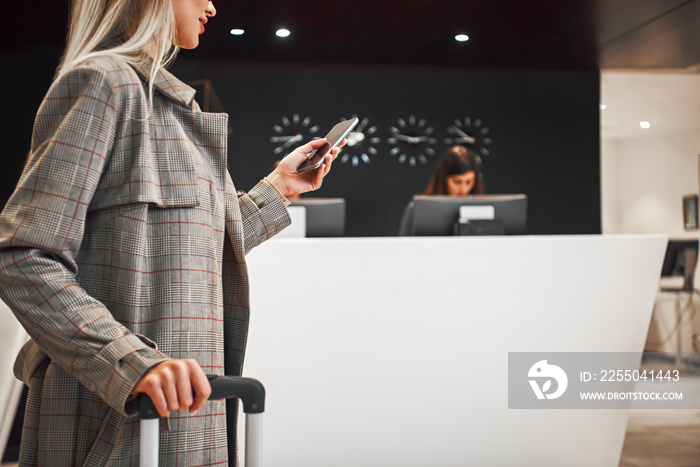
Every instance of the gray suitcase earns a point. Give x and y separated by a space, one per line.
252 395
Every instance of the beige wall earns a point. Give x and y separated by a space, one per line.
645 173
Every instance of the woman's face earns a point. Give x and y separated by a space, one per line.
462 184
190 18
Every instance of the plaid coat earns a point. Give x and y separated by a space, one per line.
123 245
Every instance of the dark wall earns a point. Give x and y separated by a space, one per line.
23 90
544 126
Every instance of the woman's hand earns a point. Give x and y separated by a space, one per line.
175 385
290 182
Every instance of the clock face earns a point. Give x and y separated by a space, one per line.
412 141
361 143
293 132
472 134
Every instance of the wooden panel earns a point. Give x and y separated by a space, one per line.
670 39
616 17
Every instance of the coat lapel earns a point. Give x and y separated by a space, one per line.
167 84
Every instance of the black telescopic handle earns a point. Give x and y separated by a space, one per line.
250 391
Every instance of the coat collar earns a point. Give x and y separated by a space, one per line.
166 83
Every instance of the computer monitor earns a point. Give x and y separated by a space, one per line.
680 260
325 217
439 215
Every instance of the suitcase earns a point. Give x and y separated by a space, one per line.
252 395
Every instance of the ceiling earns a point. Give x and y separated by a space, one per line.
551 34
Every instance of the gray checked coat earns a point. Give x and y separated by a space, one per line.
123 245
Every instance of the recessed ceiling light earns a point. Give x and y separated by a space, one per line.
237 32
603 106
645 124
461 38
283 33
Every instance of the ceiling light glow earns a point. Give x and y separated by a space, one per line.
283 33
461 38
237 32
645 125
603 106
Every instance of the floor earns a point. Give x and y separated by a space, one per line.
662 438
666 438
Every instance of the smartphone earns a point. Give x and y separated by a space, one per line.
334 137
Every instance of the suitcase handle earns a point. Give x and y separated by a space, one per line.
250 391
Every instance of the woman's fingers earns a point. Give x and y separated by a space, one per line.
168 385
310 146
288 180
175 385
184 392
153 389
329 160
202 389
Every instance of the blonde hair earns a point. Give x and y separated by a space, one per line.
140 32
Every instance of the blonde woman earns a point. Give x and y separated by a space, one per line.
122 249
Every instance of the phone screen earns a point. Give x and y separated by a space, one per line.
334 137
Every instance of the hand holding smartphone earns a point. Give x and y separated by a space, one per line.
334 137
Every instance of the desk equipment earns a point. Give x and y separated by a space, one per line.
325 217
680 260
438 215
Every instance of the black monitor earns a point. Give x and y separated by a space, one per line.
439 215
680 260
325 217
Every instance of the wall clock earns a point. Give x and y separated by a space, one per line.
472 134
293 132
361 143
412 141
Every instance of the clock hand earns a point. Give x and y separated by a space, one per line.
281 139
292 140
410 139
469 139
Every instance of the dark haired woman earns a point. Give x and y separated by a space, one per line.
457 173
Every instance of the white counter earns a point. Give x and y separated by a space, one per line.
393 351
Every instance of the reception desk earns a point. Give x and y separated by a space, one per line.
394 351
